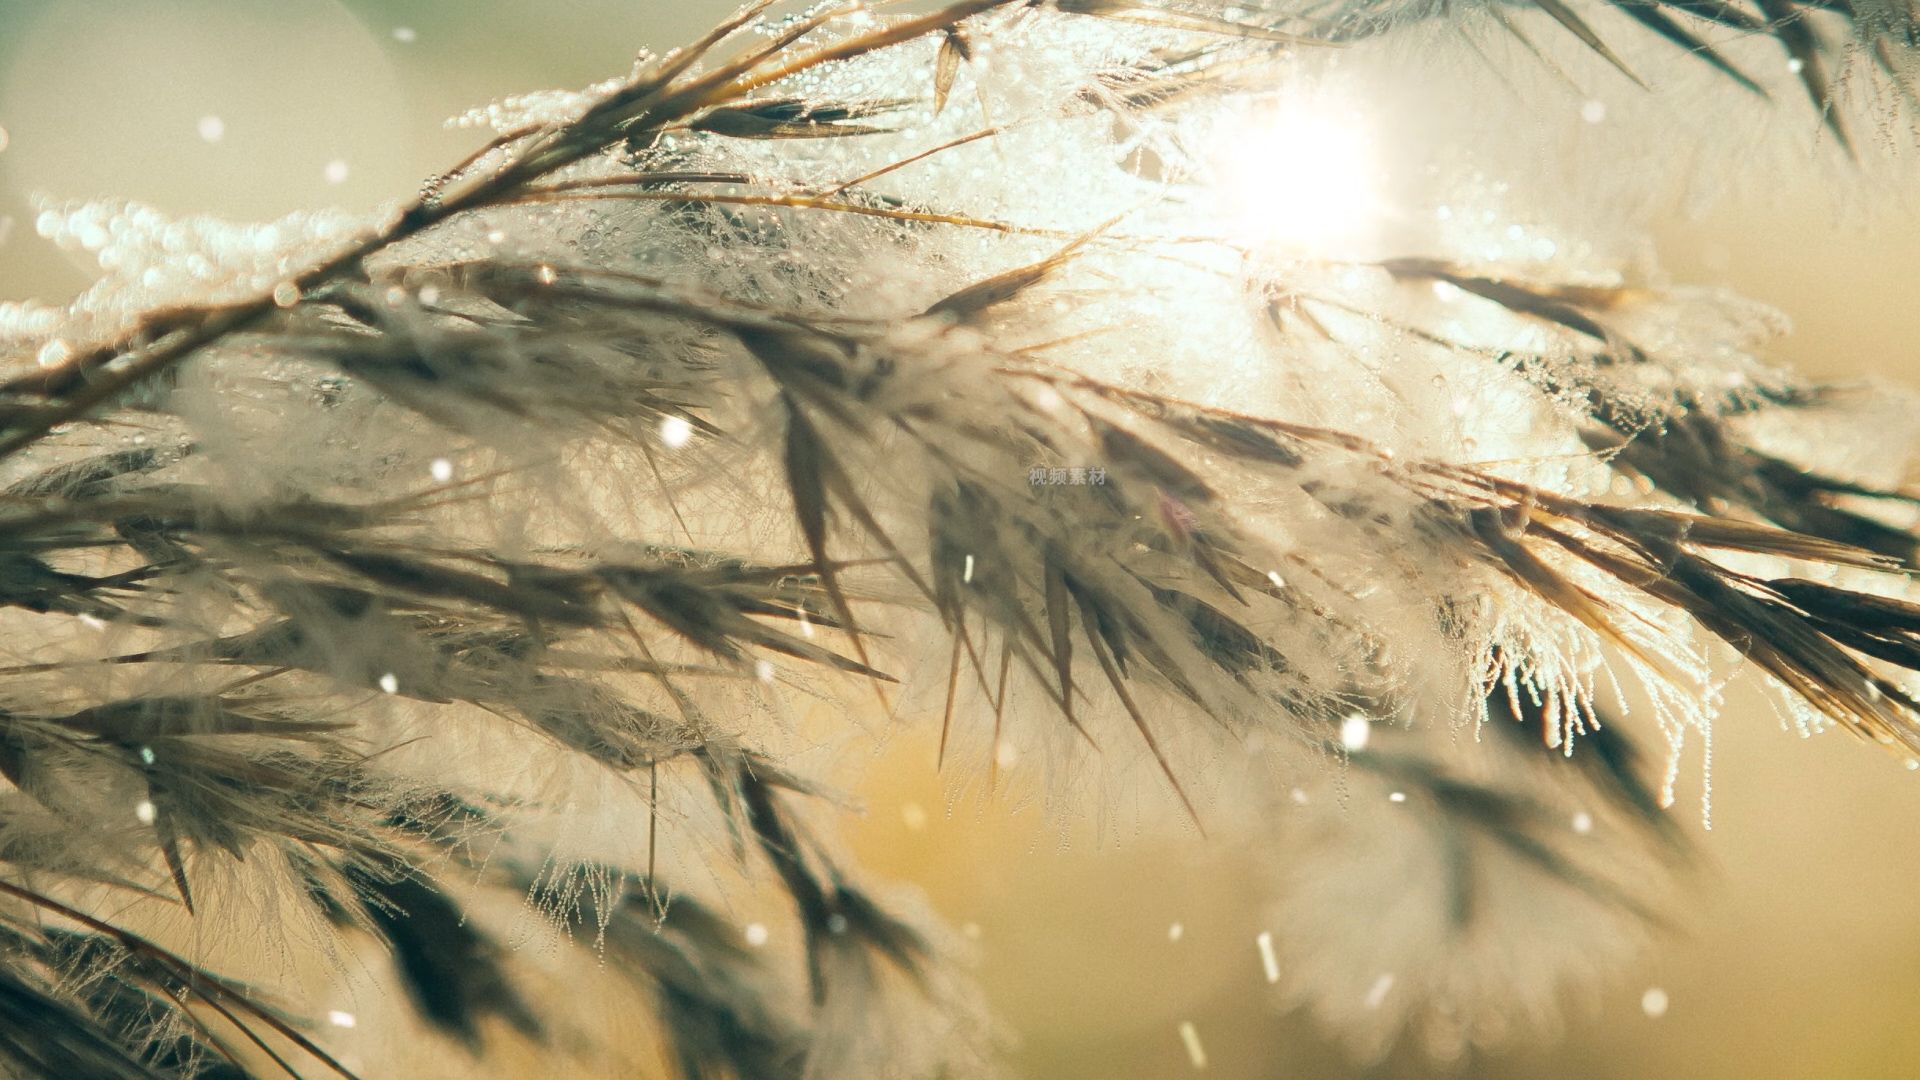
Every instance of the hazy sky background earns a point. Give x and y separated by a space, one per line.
1804 954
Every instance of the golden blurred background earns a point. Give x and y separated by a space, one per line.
1801 951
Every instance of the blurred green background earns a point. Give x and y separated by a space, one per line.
1802 957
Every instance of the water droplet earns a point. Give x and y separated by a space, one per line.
675 431
1397 797
1196 1053
339 1018
1268 961
389 683
146 755
405 35
211 128
1593 112
54 353
1278 581
144 810
1796 65
1654 1002
441 469
1355 731
913 816
1176 932
286 294
1006 754
335 172
763 670
1583 823
836 923
1377 993
756 934
966 574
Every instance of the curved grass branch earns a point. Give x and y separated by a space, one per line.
652 101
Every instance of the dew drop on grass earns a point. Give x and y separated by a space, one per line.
675 431
1355 731
1006 755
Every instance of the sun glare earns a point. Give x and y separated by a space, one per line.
1298 178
